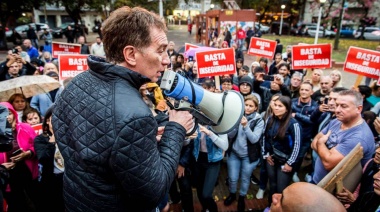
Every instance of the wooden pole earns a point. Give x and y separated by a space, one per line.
358 81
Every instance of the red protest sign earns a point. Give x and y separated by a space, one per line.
262 47
65 48
38 129
311 56
190 46
71 65
363 62
215 62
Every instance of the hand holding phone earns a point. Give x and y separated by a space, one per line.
17 152
268 78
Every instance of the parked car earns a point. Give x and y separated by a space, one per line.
61 30
312 30
275 28
301 30
22 29
347 31
264 29
368 33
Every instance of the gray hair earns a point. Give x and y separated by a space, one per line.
297 74
357 96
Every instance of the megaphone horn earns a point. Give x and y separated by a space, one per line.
224 109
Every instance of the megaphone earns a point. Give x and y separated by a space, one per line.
223 110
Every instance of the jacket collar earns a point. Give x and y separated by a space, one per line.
299 101
100 66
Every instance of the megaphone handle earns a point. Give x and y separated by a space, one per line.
194 128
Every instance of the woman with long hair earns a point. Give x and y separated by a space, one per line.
19 103
50 158
281 145
336 77
21 163
208 152
244 151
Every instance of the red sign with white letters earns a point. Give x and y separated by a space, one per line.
38 129
190 46
65 48
71 65
363 62
311 56
262 47
215 62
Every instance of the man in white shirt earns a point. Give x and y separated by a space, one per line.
97 48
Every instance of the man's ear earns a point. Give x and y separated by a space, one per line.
360 108
129 53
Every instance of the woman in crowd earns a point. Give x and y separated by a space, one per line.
253 66
315 79
208 152
239 65
19 103
244 151
46 57
336 77
263 171
280 145
224 45
50 158
21 164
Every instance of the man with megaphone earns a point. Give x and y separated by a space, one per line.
106 133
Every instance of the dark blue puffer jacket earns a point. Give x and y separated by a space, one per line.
107 137
302 115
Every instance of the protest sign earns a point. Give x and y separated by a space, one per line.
190 46
262 47
215 62
362 62
38 129
311 56
65 48
71 65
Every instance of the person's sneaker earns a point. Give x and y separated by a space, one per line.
260 194
308 178
254 180
296 179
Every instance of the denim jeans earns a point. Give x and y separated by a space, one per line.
240 168
278 180
206 175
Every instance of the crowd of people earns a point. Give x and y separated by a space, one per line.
110 141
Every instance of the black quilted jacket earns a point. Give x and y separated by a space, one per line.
107 136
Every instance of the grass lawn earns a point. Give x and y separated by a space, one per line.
338 55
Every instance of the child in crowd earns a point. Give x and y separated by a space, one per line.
31 116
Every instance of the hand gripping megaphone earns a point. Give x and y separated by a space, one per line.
221 111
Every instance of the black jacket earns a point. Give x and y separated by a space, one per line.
45 154
289 145
107 136
84 49
31 34
266 93
302 115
